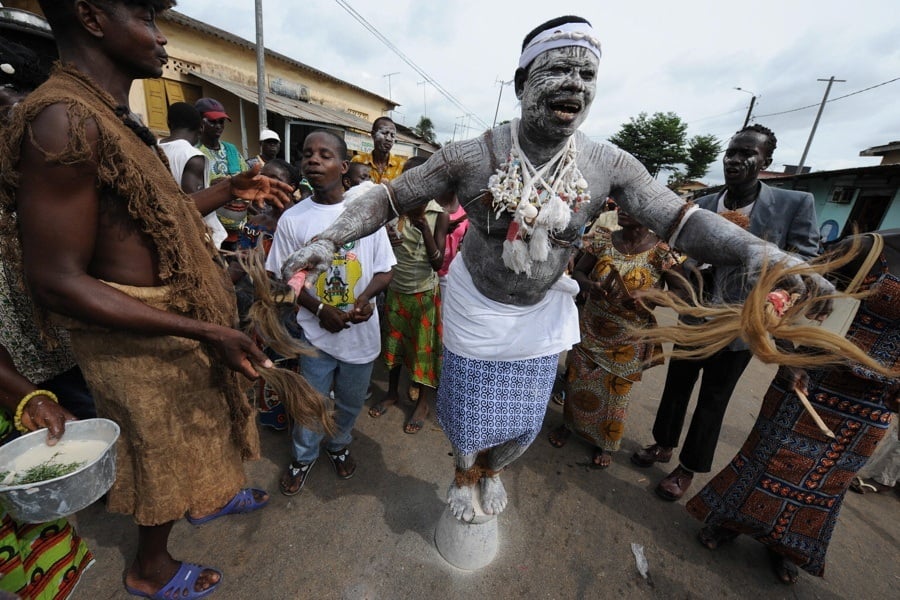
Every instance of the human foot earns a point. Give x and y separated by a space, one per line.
184 580
294 477
559 436
784 569
417 420
601 459
460 501
715 536
493 495
382 407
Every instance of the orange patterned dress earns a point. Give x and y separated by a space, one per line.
601 369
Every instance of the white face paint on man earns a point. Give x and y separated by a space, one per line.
557 93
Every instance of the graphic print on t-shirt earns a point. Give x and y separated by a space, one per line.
336 285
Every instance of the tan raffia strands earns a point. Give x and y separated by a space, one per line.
302 402
753 323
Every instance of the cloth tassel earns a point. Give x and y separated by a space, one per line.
555 215
515 256
539 245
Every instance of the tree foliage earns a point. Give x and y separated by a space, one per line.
425 129
660 143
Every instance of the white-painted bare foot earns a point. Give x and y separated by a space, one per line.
493 495
460 501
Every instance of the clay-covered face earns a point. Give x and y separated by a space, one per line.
383 137
745 157
558 92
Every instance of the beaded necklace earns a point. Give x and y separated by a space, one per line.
539 200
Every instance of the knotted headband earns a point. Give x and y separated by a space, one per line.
569 34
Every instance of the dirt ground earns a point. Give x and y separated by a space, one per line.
567 532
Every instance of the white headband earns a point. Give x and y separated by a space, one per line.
569 34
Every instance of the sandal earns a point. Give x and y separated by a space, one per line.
559 436
412 427
294 477
245 501
378 410
602 459
784 569
559 398
866 486
181 585
715 536
343 463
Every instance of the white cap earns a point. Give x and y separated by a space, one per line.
268 134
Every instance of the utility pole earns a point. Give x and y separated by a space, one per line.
390 97
830 81
260 68
424 85
750 109
500 95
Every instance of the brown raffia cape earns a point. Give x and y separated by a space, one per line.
135 173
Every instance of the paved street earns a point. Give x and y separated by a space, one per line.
566 534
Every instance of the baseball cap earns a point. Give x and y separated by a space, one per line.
268 134
211 109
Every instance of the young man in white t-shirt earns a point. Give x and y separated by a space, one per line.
337 313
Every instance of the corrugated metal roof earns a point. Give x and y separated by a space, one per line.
288 107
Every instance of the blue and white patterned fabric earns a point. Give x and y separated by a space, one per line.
484 403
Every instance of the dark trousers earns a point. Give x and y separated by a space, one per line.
721 373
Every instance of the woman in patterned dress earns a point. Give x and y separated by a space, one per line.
602 368
786 485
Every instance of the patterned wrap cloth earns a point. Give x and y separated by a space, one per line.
786 486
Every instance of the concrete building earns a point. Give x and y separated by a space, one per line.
207 61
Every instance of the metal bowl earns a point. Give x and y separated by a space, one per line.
54 498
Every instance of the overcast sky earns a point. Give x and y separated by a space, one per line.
686 57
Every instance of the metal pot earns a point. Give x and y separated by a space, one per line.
54 498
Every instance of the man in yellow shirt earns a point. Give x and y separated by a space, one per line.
382 165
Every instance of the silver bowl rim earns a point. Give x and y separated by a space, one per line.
43 431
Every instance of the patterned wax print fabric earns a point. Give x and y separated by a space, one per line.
786 486
412 335
484 403
602 368
42 561
391 171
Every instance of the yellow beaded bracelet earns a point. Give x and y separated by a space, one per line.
17 420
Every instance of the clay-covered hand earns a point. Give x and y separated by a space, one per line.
41 412
811 283
312 259
261 190
238 351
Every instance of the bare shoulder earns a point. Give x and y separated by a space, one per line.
61 133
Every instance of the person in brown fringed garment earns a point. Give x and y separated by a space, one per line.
93 222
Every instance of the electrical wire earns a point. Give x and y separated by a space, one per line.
384 40
872 87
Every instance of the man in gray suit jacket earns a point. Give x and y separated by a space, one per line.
784 217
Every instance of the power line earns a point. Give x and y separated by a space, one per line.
872 87
374 31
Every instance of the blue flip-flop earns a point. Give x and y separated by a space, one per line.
181 585
243 502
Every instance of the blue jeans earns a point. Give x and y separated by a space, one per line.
350 385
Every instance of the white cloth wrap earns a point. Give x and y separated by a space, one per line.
480 328
569 34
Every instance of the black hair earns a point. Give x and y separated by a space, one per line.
771 141
182 115
341 144
413 162
354 166
382 120
60 14
28 72
551 24
292 171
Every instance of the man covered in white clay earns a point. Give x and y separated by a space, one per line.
529 187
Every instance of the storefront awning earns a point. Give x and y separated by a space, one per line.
292 109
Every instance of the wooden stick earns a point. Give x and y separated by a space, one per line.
812 412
